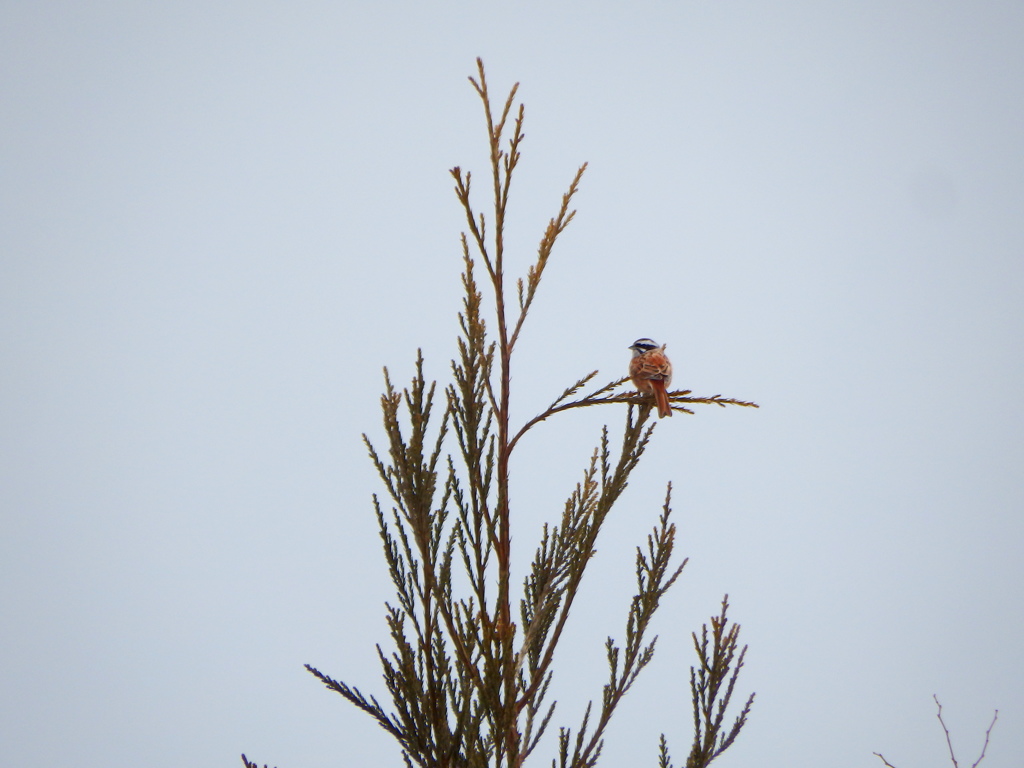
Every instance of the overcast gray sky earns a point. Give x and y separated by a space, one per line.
219 221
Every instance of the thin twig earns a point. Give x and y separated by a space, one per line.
949 743
988 733
677 397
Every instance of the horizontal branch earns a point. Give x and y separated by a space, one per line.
679 399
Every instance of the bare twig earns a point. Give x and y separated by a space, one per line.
248 764
988 732
949 740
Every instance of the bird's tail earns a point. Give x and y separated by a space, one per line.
661 398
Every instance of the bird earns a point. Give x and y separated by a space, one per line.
651 372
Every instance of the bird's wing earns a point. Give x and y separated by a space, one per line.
655 367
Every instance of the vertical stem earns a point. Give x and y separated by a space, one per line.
507 734
504 532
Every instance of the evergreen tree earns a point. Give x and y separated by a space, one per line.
472 659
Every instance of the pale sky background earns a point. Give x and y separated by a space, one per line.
220 220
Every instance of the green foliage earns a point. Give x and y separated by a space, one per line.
468 685
712 686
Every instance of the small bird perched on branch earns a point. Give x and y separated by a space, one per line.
651 372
